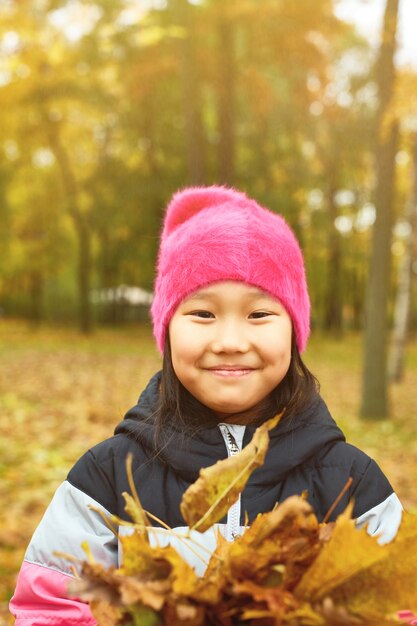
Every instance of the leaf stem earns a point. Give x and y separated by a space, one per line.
339 497
183 538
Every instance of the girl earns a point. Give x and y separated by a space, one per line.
231 317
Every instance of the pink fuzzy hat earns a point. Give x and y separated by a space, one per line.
213 234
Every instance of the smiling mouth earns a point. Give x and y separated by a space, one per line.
231 371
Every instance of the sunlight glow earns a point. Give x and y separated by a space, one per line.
368 15
75 19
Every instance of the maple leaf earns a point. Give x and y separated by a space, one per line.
288 535
337 615
96 583
183 613
369 580
219 486
390 583
140 558
214 580
335 564
106 613
277 600
157 563
143 616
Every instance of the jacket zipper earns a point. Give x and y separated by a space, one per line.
233 515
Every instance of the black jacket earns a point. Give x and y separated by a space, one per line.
307 453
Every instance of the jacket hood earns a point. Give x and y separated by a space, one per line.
292 442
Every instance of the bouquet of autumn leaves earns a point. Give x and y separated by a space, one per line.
285 569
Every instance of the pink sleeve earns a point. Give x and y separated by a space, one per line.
408 617
40 599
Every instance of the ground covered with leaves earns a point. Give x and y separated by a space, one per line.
61 392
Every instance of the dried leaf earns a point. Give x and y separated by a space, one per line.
285 570
288 535
96 583
183 613
143 616
135 512
295 515
219 486
152 594
337 615
106 614
346 552
133 505
212 584
366 579
140 558
278 601
388 584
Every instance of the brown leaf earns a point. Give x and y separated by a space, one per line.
219 486
134 506
390 583
152 594
277 602
106 613
337 615
366 579
182 613
140 558
347 552
288 535
96 583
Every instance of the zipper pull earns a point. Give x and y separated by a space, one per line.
234 448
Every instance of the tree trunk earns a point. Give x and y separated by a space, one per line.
84 268
402 303
374 390
226 100
80 224
333 312
36 296
194 132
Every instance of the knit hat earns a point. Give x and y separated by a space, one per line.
214 234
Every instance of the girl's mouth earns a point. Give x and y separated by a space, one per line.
228 372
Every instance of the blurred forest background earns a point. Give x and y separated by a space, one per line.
108 107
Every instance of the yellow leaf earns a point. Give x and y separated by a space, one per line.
219 486
347 552
151 593
140 558
369 580
133 506
288 535
135 512
105 613
390 583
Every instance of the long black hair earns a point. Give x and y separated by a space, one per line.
178 408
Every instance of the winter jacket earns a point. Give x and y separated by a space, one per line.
306 453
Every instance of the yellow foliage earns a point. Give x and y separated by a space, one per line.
285 570
218 486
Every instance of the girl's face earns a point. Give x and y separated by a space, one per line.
231 346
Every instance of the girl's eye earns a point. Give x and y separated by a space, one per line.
259 314
202 314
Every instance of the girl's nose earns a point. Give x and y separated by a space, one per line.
230 337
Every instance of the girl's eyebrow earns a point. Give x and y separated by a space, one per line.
255 293
199 296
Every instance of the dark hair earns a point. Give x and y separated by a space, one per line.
179 408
